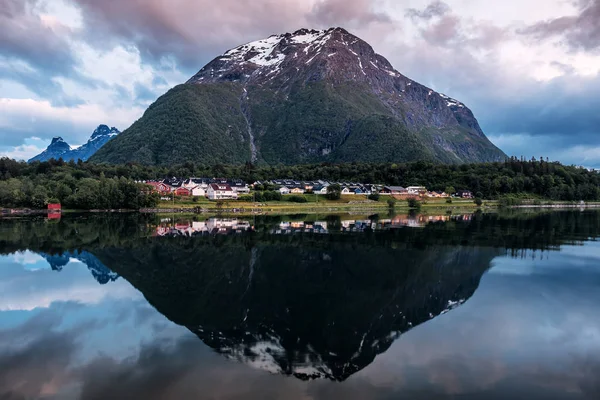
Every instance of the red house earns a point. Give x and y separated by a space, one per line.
183 192
54 207
160 187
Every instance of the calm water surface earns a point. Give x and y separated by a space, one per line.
301 307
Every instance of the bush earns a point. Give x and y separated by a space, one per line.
297 199
414 203
374 196
478 202
391 203
272 195
246 198
449 200
509 201
334 192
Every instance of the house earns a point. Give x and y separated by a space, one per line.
191 183
359 189
160 187
239 186
218 191
465 194
417 190
346 190
394 190
182 191
437 194
319 189
297 190
198 191
284 190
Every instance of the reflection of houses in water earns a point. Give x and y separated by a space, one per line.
210 226
300 226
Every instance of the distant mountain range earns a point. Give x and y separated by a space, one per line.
58 148
99 271
303 97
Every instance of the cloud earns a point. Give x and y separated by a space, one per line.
25 118
353 13
25 36
26 289
191 32
579 32
434 9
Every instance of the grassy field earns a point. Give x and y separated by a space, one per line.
320 204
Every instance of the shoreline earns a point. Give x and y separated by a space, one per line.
271 209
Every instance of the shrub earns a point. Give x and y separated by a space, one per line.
246 198
334 192
414 203
297 199
478 202
374 196
449 200
391 203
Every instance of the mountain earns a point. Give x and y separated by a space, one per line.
59 148
307 96
99 271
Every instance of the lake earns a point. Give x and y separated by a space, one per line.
130 306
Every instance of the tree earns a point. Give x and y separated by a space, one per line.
374 196
450 190
391 203
334 192
414 203
478 202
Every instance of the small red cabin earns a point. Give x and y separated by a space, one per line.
54 207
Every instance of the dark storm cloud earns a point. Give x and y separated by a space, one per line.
580 32
192 32
31 52
24 36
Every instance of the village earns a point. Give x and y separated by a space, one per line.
233 189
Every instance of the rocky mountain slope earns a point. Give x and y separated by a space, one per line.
307 96
60 149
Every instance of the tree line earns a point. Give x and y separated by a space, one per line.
71 185
89 185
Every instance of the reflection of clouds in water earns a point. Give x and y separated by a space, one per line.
538 333
23 288
28 259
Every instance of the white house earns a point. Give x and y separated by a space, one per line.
219 191
198 191
320 189
284 190
416 190
240 187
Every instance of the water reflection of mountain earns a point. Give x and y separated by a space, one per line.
299 306
100 272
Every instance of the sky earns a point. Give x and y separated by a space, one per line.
529 69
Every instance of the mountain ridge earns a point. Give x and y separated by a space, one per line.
58 148
307 96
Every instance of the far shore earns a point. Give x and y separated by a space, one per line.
283 207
